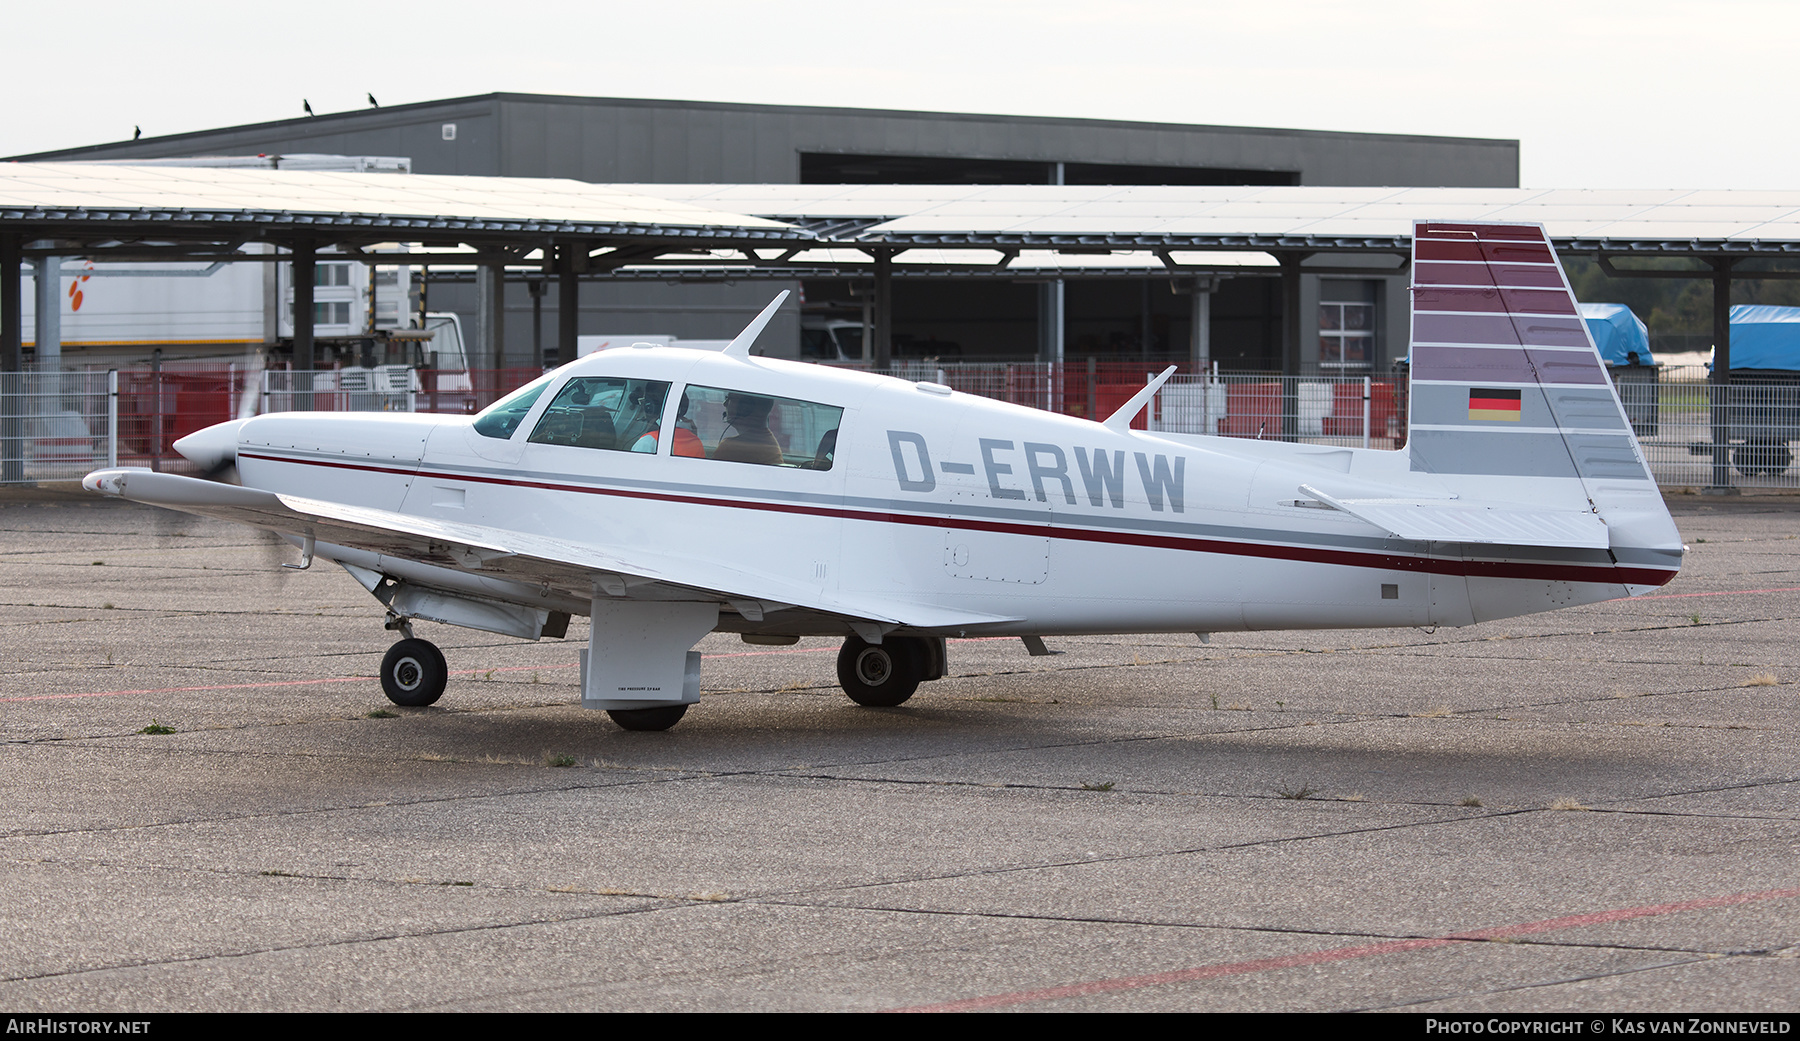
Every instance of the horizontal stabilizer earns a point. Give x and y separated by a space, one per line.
1460 520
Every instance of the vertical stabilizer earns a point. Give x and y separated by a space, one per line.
1506 380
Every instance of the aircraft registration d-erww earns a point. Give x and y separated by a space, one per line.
668 493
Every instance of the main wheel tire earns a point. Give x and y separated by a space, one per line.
413 673
881 675
661 717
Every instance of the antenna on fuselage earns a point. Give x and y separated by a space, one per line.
1121 420
740 347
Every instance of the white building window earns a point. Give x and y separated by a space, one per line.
1346 326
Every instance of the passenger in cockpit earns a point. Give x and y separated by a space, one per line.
753 442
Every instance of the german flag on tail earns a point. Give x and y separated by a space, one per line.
1487 403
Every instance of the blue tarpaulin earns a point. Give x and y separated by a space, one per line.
1619 333
1765 337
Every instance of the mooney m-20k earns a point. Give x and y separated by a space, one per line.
668 493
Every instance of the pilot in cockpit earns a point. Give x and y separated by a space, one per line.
687 440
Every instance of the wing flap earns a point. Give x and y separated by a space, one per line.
1460 520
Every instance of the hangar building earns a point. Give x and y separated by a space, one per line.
1358 321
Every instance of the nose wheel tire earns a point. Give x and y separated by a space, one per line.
661 717
413 673
880 675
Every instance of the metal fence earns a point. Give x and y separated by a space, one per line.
1695 434
55 425
60 426
387 388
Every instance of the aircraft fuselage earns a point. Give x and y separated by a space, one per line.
1010 519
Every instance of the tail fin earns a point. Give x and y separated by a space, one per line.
1506 380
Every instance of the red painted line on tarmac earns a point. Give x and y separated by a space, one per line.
177 690
1241 968
1723 592
834 650
267 683
779 650
454 672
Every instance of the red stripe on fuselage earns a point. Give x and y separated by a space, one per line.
1611 575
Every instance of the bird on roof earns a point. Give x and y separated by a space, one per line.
373 103
136 132
307 105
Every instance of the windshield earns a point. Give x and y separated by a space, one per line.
504 416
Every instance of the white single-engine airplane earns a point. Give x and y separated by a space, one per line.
668 493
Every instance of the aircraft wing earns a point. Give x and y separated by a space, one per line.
1462 520
500 553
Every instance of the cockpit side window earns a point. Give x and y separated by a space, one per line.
503 417
610 413
740 427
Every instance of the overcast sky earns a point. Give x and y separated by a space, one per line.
1600 95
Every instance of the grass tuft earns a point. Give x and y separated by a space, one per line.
157 727
1567 804
1098 786
1762 679
1469 800
558 760
382 713
1303 791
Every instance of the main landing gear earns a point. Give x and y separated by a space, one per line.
885 674
413 673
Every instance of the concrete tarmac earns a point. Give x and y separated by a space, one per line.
1593 810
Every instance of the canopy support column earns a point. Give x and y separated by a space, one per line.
1719 381
1290 343
568 301
490 312
1200 336
12 379
882 357
305 270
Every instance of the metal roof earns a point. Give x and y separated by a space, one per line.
1667 222
64 198
803 230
